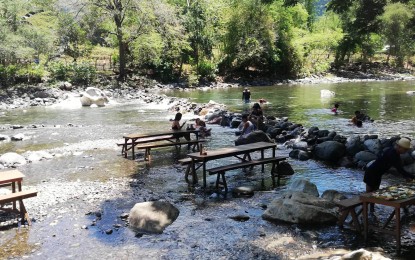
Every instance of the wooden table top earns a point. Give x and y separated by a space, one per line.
368 197
161 133
231 151
10 176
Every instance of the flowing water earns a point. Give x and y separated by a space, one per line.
83 139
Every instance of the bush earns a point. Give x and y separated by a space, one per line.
32 73
83 73
60 71
77 73
207 70
8 74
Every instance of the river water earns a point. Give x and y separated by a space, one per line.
83 142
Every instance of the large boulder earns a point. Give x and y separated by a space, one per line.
285 169
374 146
301 208
365 156
254 137
236 122
304 186
12 159
152 217
353 145
330 151
93 96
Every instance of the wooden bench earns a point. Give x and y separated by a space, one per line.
143 141
18 197
147 148
346 207
220 171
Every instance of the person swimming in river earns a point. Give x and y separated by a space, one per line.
335 108
359 118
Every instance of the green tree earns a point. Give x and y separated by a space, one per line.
129 20
395 27
72 36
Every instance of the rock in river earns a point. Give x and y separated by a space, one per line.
301 208
12 159
152 217
330 151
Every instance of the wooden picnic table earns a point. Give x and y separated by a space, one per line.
131 140
368 198
220 153
11 178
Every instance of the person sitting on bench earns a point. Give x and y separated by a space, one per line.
176 126
201 125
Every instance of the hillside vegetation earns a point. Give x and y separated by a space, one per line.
193 40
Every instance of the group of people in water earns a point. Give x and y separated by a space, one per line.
373 171
358 118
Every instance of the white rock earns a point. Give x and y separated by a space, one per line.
12 159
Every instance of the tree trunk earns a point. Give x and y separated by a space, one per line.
122 55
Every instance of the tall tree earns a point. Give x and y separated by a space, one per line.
398 34
129 20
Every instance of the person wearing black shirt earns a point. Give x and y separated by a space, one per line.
391 157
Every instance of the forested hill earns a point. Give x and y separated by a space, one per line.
193 40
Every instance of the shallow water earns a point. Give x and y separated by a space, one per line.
83 141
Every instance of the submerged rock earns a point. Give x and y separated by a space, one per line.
254 137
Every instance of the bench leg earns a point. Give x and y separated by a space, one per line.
223 182
23 213
147 154
273 174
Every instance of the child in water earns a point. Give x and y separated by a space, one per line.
334 109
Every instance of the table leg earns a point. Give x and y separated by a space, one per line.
193 169
132 148
204 173
365 221
125 147
398 229
262 157
19 186
273 152
13 191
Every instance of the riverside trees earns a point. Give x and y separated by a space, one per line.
193 39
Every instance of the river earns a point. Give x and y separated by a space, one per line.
83 142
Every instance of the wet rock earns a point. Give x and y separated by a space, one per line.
330 151
240 218
17 126
410 168
84 227
243 191
312 130
285 169
365 156
346 162
305 186
374 146
12 159
302 145
253 137
108 231
301 208
363 254
18 137
124 215
93 96
303 156
332 195
353 145
152 217
4 137
294 153
38 156
235 122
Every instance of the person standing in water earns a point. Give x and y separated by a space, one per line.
246 95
